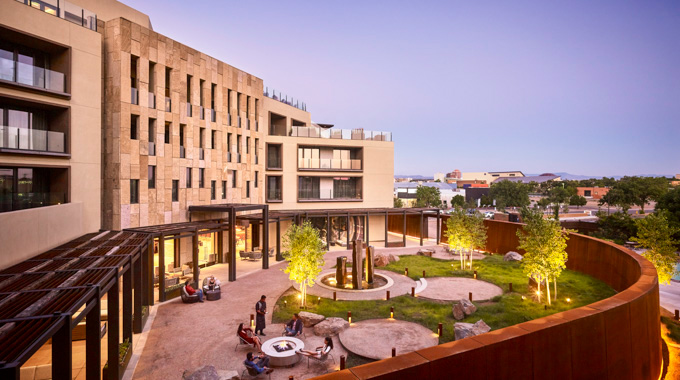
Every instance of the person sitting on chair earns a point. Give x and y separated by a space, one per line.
246 333
294 326
191 291
261 365
213 283
323 350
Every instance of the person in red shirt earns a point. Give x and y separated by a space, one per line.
247 334
191 291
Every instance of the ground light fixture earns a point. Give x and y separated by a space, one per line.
568 299
349 317
523 298
405 271
394 351
252 321
413 291
423 274
318 300
335 296
342 362
440 327
475 275
392 312
387 298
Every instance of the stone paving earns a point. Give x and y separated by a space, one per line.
455 288
402 285
374 338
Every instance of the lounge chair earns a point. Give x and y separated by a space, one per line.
244 255
321 359
256 255
243 342
252 372
186 298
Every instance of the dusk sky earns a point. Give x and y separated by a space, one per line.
572 87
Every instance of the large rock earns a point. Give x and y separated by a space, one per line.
512 256
381 260
330 326
463 308
426 252
310 319
209 372
463 330
393 258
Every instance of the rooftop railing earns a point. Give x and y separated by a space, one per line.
65 10
341 134
284 99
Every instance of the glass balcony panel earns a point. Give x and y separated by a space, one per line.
213 115
134 95
55 142
182 153
152 148
152 100
168 104
7 69
188 109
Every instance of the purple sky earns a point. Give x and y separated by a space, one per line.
577 87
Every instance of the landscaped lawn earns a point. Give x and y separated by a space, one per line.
506 310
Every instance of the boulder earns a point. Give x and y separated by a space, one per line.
310 319
330 326
468 307
458 312
512 256
425 252
393 258
381 260
209 372
464 330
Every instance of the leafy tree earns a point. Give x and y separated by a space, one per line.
655 234
559 196
509 194
427 196
545 245
398 203
642 190
578 201
456 232
543 203
305 251
486 201
617 197
618 227
457 201
671 203
476 231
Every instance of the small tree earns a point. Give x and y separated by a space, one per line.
578 201
305 251
509 194
655 234
398 203
427 196
476 231
456 232
457 201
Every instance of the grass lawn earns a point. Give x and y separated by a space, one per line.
506 310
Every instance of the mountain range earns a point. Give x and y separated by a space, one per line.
564 175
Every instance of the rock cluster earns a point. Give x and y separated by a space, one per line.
512 256
463 308
310 319
426 252
330 326
463 330
209 372
383 260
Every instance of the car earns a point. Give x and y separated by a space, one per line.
489 214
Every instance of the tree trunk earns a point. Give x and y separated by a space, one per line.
555 280
547 289
538 288
303 302
460 251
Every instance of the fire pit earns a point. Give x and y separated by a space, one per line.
282 351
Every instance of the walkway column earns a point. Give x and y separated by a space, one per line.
421 227
93 347
404 230
149 275
194 257
113 327
62 353
137 279
127 303
278 240
438 227
220 243
368 241
386 227
348 230
161 267
265 237
328 231
232 244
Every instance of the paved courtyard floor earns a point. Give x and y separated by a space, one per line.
375 338
455 288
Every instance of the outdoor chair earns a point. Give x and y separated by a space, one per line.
255 255
301 333
321 359
252 373
244 255
243 342
271 252
186 298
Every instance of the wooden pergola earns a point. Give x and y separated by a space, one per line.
47 296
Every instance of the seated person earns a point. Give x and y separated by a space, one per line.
246 333
261 365
323 350
212 283
191 291
294 326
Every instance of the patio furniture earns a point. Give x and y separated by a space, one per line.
244 255
213 295
186 298
321 359
252 372
256 255
271 252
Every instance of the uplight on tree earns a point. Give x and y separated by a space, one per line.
305 251
655 234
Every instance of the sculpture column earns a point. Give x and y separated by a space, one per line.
341 270
370 255
357 264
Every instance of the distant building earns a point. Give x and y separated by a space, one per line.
592 192
545 177
677 182
440 176
406 191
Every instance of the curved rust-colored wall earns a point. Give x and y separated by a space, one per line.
616 338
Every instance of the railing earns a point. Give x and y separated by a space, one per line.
213 115
257 126
238 158
152 100
247 124
329 164
168 104
273 162
239 121
257 159
182 152
152 148
134 95
201 153
22 201
228 156
277 130
228 119
328 194
201 112
31 139
284 99
188 109
66 11
23 73
274 194
341 134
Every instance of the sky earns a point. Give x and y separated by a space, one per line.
584 87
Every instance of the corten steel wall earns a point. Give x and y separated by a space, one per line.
395 223
616 338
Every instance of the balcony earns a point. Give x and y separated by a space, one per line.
152 148
134 96
189 110
229 119
277 130
257 126
33 76
182 151
238 158
228 156
66 11
31 140
329 164
328 195
152 100
247 124
257 159
340 134
168 104
239 121
22 201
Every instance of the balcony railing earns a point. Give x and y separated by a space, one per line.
329 164
247 124
257 126
201 112
168 104
182 152
284 99
239 121
213 115
23 73
341 134
277 130
328 194
22 201
134 95
201 153
152 148
257 159
273 162
238 158
274 194
31 139
228 119
228 156
152 100
67 11
188 109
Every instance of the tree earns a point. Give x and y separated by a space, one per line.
398 203
618 226
617 197
456 232
559 196
544 243
457 201
509 194
578 201
671 203
641 190
486 201
656 234
476 231
305 251
543 203
427 196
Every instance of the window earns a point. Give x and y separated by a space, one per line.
213 189
24 188
134 94
201 84
167 82
238 143
175 190
167 133
234 175
273 156
213 139
181 135
257 175
152 177
188 178
213 87
134 191
247 189
201 177
134 124
247 145
224 189
229 101
152 130
201 137
228 142
273 184
188 88
152 77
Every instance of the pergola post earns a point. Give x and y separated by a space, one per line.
194 257
404 230
348 230
127 303
278 240
438 226
62 353
368 241
386 227
149 275
93 347
220 243
114 329
232 244
265 237
161 268
421 227
328 231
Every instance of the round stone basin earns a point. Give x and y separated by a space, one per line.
378 282
281 351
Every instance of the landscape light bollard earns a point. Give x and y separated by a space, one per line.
392 312
470 296
394 351
318 301
413 291
252 321
423 274
677 315
405 271
475 275
291 377
342 362
439 329
349 317
510 286
335 296
388 296
545 307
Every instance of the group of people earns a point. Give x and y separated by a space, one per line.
211 284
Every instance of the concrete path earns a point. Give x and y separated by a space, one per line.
455 288
374 338
669 296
